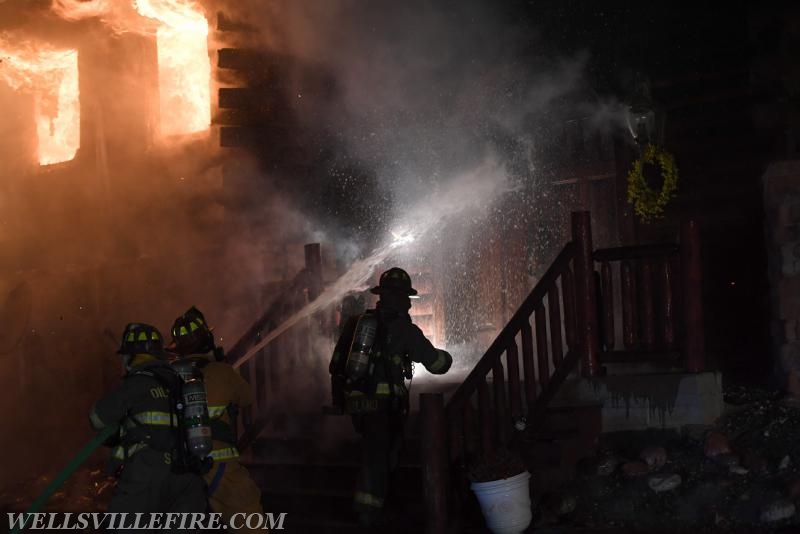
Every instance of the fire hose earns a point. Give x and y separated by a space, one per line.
65 473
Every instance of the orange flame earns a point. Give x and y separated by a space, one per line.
51 76
184 68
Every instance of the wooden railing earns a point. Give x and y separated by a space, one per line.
655 290
558 329
304 288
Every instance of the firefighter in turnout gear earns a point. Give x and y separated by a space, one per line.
148 445
230 488
370 364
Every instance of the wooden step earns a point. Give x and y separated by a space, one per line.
291 478
307 451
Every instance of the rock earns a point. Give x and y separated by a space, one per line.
634 469
607 465
738 470
654 457
785 462
659 483
716 443
777 511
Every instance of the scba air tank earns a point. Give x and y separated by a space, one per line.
195 418
360 350
186 369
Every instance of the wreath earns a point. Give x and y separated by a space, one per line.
648 201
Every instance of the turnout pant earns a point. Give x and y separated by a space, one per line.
232 491
382 439
148 485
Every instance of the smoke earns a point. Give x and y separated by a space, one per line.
137 227
421 117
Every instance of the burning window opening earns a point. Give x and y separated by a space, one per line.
51 76
184 68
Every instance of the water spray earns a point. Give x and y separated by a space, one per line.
470 191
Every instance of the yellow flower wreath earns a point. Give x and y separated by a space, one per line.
648 203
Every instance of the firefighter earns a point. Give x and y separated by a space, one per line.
146 446
378 399
230 488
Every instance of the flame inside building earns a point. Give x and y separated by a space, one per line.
184 70
51 76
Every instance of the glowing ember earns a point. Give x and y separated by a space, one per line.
184 69
51 76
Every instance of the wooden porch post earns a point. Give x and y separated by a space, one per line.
692 278
434 461
585 295
313 259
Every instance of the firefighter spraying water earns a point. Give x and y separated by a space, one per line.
370 364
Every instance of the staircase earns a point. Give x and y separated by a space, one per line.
564 327
314 485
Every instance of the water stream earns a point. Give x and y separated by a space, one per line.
471 192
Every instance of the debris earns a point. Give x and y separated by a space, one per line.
659 483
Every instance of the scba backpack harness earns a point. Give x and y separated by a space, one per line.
353 384
189 421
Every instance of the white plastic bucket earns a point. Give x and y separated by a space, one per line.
506 504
